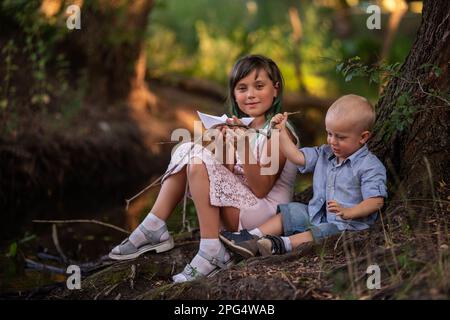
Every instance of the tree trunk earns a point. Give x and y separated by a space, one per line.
297 33
418 157
109 45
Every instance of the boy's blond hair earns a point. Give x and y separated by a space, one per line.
355 109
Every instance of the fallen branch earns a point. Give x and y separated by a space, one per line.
56 243
46 256
40 266
296 291
83 221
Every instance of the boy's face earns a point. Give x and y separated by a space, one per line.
344 137
254 94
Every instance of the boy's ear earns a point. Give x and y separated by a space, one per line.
365 136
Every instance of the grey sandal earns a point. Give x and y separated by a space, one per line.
191 273
126 250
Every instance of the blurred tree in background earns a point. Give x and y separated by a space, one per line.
203 38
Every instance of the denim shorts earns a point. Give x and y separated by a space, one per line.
296 220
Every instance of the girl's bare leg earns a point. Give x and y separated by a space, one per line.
209 221
170 195
208 215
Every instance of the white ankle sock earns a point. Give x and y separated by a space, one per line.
256 232
287 243
152 223
212 248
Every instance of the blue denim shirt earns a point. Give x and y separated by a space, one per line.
359 177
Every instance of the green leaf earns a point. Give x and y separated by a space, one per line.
374 78
12 250
437 71
349 77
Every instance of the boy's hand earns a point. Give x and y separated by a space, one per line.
336 208
278 121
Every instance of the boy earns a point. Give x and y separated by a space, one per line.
349 185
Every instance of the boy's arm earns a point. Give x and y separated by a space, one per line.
361 210
287 146
373 189
290 150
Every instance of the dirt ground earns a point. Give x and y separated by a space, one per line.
335 269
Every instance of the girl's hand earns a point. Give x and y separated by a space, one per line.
237 138
227 131
234 120
278 121
223 128
238 133
340 211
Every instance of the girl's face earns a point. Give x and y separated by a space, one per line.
255 93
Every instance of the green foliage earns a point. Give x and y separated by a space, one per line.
355 67
407 263
203 40
216 53
12 251
401 117
7 89
14 246
175 222
341 283
436 70
404 110
32 45
167 54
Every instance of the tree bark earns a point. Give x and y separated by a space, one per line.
418 157
108 46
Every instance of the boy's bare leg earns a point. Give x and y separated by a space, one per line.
273 226
299 238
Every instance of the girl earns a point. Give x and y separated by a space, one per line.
238 196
